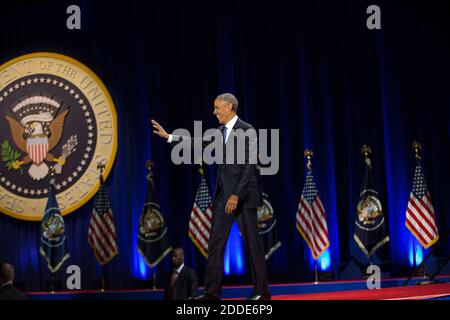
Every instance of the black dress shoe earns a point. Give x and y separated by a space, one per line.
258 297
207 297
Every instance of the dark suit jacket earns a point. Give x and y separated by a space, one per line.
185 286
240 179
8 292
233 178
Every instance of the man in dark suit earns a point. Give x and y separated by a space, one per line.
182 282
237 196
7 290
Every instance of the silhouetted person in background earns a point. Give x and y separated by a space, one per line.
182 282
7 290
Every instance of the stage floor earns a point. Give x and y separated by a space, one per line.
416 292
391 289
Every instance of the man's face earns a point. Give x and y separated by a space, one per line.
223 111
6 273
177 258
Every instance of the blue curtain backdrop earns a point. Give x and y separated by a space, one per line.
309 68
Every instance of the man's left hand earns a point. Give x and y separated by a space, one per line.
232 204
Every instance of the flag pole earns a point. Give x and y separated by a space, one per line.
415 259
308 155
53 275
315 272
417 147
200 169
422 268
425 271
101 167
103 280
366 151
52 283
149 166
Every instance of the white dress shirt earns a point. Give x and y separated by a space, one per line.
6 284
230 124
178 270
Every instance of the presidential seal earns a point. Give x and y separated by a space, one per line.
266 226
57 116
151 221
265 217
369 210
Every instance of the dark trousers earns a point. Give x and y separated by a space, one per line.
220 230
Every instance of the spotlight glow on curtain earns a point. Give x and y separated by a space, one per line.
143 270
324 261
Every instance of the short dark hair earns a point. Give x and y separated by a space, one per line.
228 97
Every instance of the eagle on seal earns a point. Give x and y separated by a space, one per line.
36 135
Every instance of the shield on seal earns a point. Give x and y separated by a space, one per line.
37 149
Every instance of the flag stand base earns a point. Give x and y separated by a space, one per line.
52 284
418 283
421 266
316 278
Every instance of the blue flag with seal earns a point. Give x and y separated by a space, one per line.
371 230
267 227
153 241
266 221
53 236
266 224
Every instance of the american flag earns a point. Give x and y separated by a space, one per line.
312 219
420 218
102 233
200 220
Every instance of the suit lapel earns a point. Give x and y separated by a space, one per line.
182 272
237 125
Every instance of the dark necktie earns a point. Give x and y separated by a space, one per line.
224 132
173 279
